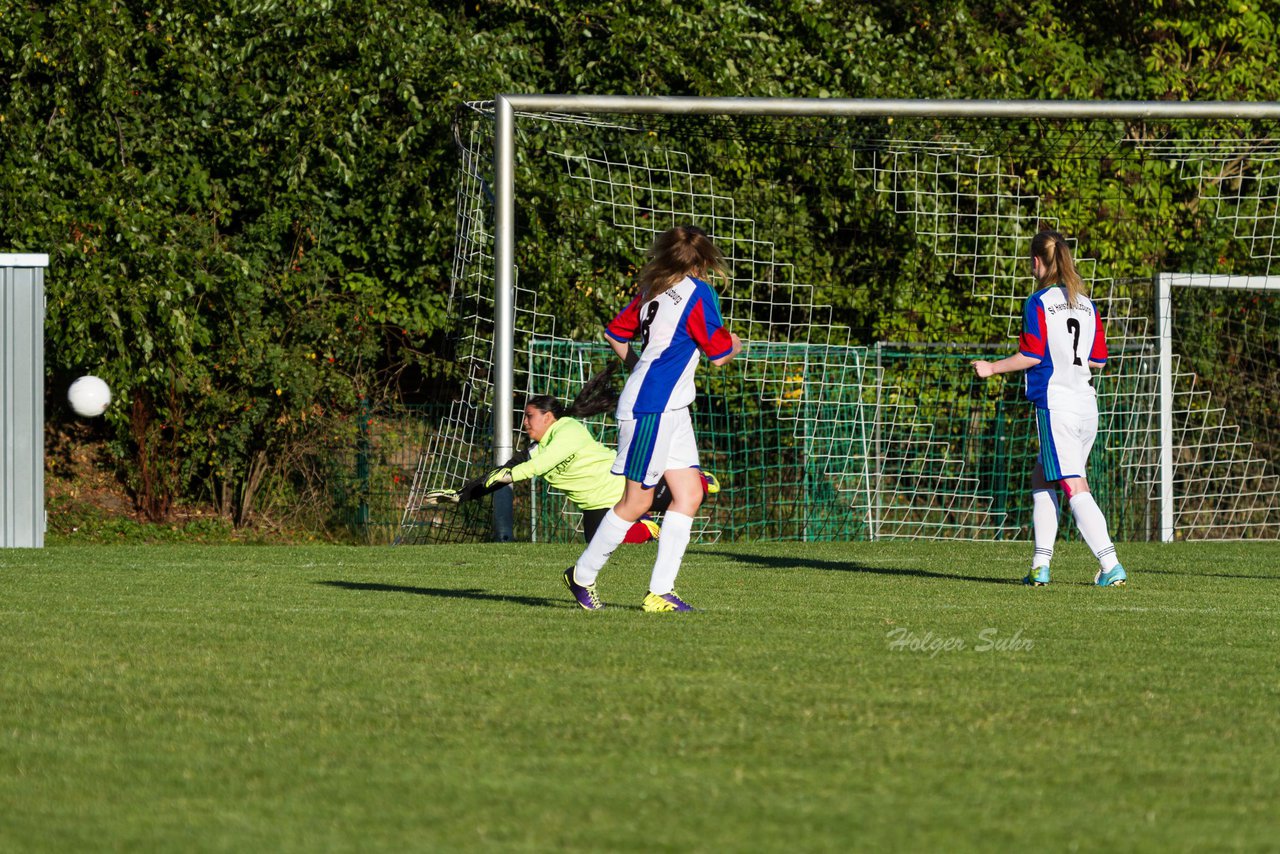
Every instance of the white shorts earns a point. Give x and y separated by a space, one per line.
1066 439
651 444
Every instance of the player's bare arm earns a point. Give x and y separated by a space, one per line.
726 358
625 352
1016 362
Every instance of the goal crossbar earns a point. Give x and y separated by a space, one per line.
940 108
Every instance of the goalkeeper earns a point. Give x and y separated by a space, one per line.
564 453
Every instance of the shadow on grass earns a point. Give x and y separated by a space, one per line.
451 593
473 593
1196 572
852 566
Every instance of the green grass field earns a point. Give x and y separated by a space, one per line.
827 697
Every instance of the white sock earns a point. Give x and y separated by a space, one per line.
1044 525
672 541
607 538
1093 527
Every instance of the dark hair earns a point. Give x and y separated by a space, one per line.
596 396
1057 267
685 250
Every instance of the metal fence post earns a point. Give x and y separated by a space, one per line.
22 516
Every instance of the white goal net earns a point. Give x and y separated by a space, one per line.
872 258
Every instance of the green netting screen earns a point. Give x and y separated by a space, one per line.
864 462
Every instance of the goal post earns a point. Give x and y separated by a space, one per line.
887 442
1165 285
504 307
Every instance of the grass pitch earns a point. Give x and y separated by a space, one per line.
862 696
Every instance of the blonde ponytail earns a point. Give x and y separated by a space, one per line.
1057 267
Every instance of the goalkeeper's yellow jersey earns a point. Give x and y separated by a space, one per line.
572 461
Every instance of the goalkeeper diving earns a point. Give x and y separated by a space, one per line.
562 451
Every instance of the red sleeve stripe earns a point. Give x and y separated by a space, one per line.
714 343
625 326
1029 342
1099 352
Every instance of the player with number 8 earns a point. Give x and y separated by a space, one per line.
676 315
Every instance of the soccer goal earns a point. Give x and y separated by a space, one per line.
876 248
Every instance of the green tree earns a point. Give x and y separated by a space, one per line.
249 206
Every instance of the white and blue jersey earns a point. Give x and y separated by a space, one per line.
674 327
1065 340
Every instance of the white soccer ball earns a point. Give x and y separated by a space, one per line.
89 396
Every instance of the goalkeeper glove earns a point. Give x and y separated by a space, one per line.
442 496
497 477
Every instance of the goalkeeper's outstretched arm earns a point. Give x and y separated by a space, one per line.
478 487
540 413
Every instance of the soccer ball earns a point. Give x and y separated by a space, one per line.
89 396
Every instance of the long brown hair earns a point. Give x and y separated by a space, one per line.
597 395
1057 267
678 252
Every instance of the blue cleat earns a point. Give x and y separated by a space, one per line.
1037 577
1112 578
584 594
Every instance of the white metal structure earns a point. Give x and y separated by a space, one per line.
22 517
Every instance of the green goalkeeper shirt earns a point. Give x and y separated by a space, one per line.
572 461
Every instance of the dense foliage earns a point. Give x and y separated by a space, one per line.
249 206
